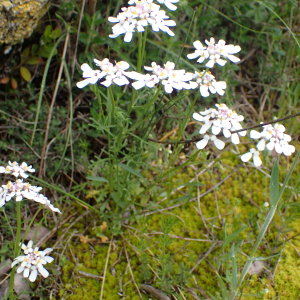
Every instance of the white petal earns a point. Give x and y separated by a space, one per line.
138 84
198 45
256 160
215 130
192 55
204 91
44 272
219 144
255 134
233 58
33 275
246 157
210 63
83 83
261 145
26 272
226 133
278 148
197 117
86 68
201 144
235 138
128 37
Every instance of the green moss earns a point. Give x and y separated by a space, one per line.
234 208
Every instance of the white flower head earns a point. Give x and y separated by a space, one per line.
17 170
207 84
169 77
273 138
139 15
214 52
33 261
21 190
112 73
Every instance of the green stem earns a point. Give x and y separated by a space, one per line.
16 252
112 100
263 230
140 53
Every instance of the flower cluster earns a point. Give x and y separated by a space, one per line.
139 15
276 138
16 170
169 77
214 52
20 189
33 261
220 119
111 73
207 83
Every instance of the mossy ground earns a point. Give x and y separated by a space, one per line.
238 200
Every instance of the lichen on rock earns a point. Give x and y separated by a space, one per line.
18 19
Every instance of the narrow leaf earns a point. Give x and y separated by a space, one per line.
24 54
99 179
224 291
25 74
233 236
274 183
234 267
34 48
13 83
132 171
34 61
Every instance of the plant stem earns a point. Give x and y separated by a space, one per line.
263 230
112 100
140 54
16 252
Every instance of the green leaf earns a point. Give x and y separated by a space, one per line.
274 185
98 179
234 267
98 18
34 48
46 50
34 61
55 34
47 30
83 38
224 291
25 74
132 171
233 236
183 198
25 54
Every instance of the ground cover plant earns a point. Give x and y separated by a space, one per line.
157 145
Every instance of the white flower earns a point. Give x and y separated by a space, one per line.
168 3
214 52
207 83
144 13
16 170
276 138
20 190
92 76
111 73
170 78
33 262
256 159
142 80
200 51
